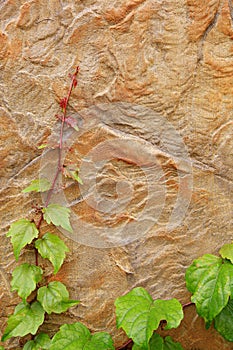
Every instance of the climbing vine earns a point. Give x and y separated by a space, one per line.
209 279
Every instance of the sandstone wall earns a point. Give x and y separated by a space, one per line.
173 57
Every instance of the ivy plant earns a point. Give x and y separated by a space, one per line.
209 279
27 278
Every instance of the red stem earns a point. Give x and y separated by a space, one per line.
59 165
38 228
188 304
122 347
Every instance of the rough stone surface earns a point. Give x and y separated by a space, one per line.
174 57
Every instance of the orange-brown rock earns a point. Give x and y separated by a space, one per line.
155 90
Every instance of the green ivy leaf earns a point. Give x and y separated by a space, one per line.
51 247
41 342
139 315
58 215
76 336
39 185
224 321
159 343
25 278
210 280
227 252
55 298
26 319
22 232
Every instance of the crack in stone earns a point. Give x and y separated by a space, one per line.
22 169
230 8
206 32
6 282
205 167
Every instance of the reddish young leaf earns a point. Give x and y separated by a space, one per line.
72 122
63 102
75 82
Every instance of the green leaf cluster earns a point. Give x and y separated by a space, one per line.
54 297
210 280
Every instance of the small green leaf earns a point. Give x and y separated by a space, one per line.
22 232
76 177
139 315
41 342
55 298
73 173
26 319
39 185
223 322
227 252
58 215
76 336
210 280
51 247
2 348
42 146
25 278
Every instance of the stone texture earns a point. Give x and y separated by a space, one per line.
172 56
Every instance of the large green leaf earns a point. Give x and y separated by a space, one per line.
2 348
41 342
139 315
55 298
39 185
25 278
26 319
53 248
58 215
224 322
210 280
227 252
76 336
22 232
